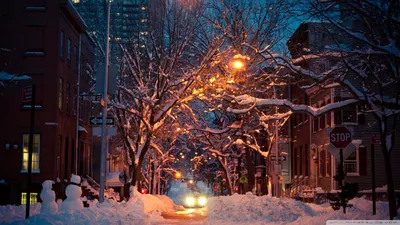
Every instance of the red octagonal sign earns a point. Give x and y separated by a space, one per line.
340 137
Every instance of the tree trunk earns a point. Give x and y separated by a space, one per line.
390 185
228 179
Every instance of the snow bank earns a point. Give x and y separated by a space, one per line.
140 210
249 209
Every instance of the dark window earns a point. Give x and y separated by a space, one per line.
347 114
76 59
307 160
328 115
75 101
67 97
322 119
60 94
62 44
72 155
301 162
294 161
328 164
322 163
59 155
69 52
66 158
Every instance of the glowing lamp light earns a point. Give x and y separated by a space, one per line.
238 65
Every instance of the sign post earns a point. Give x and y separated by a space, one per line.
30 148
94 121
340 137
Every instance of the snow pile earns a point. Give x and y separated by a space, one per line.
150 203
109 212
12 213
141 209
250 209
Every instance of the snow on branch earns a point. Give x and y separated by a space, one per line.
246 100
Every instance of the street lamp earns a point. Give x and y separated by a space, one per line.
238 64
178 175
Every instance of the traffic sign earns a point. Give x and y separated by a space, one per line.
340 137
280 158
243 180
27 94
376 139
93 98
98 120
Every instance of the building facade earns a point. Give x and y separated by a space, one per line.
47 41
313 164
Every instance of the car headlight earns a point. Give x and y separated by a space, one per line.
190 201
202 201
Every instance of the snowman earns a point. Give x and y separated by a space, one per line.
48 196
73 193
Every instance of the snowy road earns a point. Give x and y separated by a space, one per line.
189 216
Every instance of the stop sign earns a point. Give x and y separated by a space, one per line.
340 137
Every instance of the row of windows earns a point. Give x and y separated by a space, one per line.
84 106
301 162
36 153
72 54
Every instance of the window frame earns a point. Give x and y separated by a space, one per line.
23 153
61 94
342 110
357 161
67 97
76 58
61 47
69 52
32 199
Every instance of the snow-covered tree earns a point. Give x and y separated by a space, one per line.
155 79
364 59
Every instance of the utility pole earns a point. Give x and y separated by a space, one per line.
276 180
104 110
78 103
30 151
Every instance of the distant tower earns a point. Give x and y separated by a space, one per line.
131 21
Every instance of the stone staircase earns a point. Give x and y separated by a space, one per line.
88 192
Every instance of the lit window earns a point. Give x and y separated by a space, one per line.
32 200
35 152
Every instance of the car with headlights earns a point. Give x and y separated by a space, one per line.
195 200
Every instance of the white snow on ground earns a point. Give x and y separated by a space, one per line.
227 210
252 210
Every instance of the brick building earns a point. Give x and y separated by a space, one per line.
46 40
312 163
